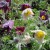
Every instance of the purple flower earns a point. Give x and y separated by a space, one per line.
24 6
4 6
43 15
9 24
2 3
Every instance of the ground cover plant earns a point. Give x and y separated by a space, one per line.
24 25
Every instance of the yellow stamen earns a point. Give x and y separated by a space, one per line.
43 17
27 13
40 34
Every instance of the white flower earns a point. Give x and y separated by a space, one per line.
39 35
27 13
26 39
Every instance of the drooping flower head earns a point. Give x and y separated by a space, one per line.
20 30
39 35
24 6
27 13
43 15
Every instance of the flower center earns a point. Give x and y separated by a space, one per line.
27 13
43 17
40 34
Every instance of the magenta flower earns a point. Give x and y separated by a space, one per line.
8 0
24 6
9 24
43 15
20 30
